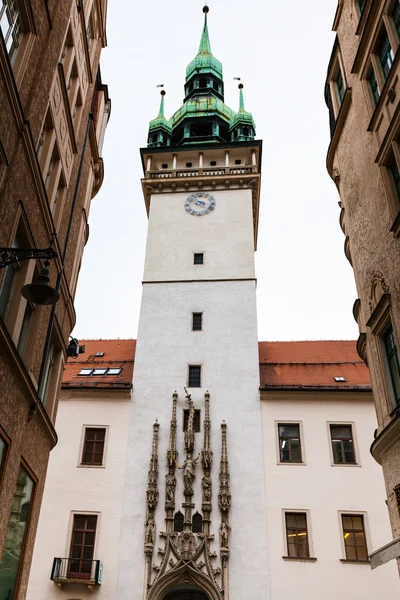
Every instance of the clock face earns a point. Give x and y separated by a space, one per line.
200 203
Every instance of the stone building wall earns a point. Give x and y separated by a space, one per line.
49 78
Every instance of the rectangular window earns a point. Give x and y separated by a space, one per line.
289 443
12 26
194 376
113 371
396 175
16 533
297 535
25 328
197 321
373 86
386 54
93 447
82 546
47 374
7 285
340 87
354 537
393 364
342 444
196 420
99 372
85 372
198 258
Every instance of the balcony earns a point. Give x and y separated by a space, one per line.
76 571
201 172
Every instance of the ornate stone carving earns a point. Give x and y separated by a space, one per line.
378 288
335 175
186 545
189 473
224 531
224 503
152 500
170 479
206 459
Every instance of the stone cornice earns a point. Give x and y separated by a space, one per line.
388 436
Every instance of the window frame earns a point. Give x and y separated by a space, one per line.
387 361
301 437
300 511
198 264
81 513
196 314
354 513
81 448
3 462
20 57
199 366
351 424
336 69
94 442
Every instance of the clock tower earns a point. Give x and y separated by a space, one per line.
194 516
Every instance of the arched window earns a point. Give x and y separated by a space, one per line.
178 521
197 523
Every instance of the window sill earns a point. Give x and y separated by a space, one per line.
355 562
309 559
345 465
292 464
91 466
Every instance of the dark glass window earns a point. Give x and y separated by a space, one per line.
25 328
197 321
196 419
194 376
392 358
3 452
297 535
246 131
16 534
198 258
178 521
340 87
197 523
373 86
354 537
6 289
93 447
82 546
361 6
289 443
396 16
385 53
394 169
342 444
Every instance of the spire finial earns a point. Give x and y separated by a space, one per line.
161 112
205 46
241 99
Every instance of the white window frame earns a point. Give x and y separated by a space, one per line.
74 513
82 443
302 511
298 422
355 444
356 513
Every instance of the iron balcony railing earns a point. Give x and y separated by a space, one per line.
76 570
201 172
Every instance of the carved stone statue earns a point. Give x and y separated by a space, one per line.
170 482
206 485
189 471
150 535
224 530
186 545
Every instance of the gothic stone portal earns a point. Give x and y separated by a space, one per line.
185 592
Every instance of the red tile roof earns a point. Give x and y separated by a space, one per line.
117 354
308 365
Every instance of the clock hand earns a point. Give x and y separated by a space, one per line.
200 203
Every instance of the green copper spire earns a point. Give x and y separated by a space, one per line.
204 62
160 128
242 126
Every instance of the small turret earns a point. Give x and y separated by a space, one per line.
160 129
242 127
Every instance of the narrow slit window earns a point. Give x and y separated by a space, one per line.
197 523
194 376
178 521
386 54
373 86
197 321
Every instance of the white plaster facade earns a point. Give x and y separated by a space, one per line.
72 488
324 490
223 289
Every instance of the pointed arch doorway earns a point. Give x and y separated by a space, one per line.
185 592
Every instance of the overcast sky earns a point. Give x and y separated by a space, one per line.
281 51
